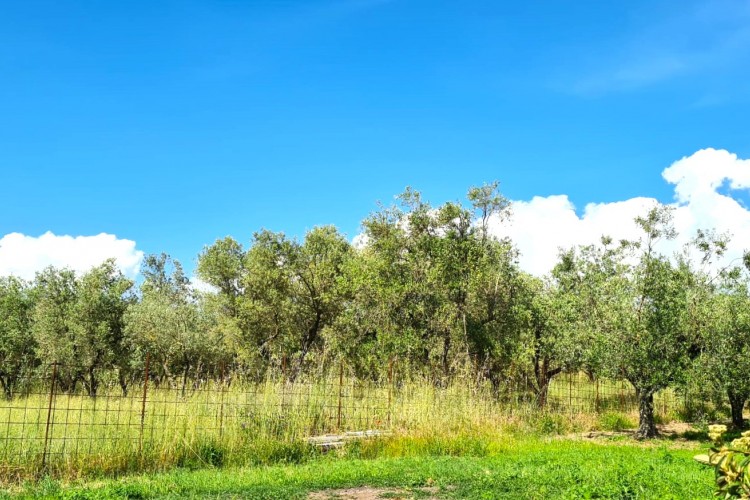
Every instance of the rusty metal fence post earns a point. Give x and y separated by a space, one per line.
596 400
570 392
283 382
390 390
341 388
143 403
221 402
50 419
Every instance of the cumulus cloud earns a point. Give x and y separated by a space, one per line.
360 241
543 225
22 255
201 286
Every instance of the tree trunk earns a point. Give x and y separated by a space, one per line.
543 375
7 387
542 392
167 375
496 384
93 384
737 402
646 425
123 382
446 358
310 337
543 388
184 378
469 358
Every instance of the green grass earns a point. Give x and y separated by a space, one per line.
522 469
265 423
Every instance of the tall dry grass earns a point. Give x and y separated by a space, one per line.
215 424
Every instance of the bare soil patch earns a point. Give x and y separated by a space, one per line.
368 493
678 434
676 428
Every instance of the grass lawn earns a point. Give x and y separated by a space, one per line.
523 469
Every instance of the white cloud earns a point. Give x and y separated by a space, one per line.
542 226
201 286
23 256
360 241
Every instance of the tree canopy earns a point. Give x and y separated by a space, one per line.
430 286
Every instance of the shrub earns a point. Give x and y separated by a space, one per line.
613 421
731 463
551 424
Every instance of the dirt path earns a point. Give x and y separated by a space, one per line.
368 493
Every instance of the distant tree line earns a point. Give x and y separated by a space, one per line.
430 286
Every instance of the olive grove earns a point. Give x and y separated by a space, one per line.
430 286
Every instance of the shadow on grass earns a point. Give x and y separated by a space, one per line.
701 434
691 435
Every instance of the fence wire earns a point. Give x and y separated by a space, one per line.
53 421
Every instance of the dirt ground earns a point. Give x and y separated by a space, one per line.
367 493
676 433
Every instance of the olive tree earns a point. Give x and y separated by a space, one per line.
53 327
222 265
433 286
395 300
638 303
725 359
103 295
495 320
553 338
17 344
292 292
169 323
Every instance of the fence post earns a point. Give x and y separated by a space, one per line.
596 400
283 383
390 390
49 414
570 392
143 403
341 388
221 404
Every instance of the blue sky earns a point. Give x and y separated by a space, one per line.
174 123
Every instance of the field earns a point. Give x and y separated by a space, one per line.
251 440
461 467
67 434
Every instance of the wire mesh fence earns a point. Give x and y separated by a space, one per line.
54 422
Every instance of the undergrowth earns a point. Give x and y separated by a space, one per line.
533 468
269 424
